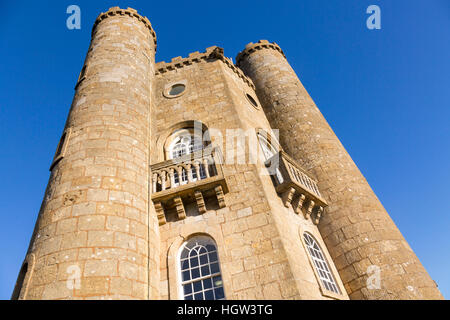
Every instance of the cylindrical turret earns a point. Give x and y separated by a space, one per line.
91 237
359 234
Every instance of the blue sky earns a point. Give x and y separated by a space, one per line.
386 94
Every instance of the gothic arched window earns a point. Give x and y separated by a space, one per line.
200 270
320 264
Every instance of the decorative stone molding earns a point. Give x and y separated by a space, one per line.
297 205
309 209
211 53
318 215
160 213
180 208
200 202
252 47
220 196
115 11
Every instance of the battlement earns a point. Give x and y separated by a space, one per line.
213 52
252 47
114 11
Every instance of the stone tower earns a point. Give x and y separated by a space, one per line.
356 228
169 183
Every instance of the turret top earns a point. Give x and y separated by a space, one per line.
129 11
252 47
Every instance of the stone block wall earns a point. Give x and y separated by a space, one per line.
356 228
92 235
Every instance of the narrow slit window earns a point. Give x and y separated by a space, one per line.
61 149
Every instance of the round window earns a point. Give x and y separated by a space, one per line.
252 100
177 89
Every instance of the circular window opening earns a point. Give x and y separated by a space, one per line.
177 89
252 100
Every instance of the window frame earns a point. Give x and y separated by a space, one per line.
251 98
181 283
265 143
61 148
195 143
331 268
169 86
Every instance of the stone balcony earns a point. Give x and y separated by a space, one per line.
187 179
296 186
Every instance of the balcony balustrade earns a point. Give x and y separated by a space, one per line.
188 178
296 186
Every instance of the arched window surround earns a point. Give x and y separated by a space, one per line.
184 141
166 137
185 233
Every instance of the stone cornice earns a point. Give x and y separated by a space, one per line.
196 57
252 47
114 11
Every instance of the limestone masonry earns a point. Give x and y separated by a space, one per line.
155 192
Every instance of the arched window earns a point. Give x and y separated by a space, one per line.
184 142
269 151
320 264
200 270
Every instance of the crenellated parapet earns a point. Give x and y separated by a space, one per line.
115 11
252 47
211 53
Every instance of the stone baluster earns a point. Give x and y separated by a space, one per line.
163 180
172 177
180 175
189 172
206 165
154 182
197 170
